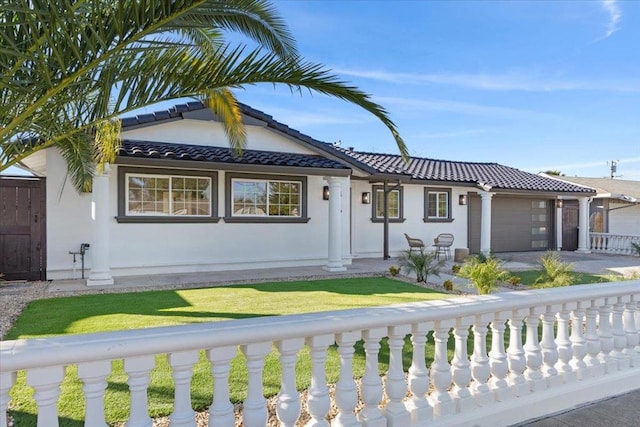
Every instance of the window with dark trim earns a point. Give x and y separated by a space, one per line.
265 198
396 202
437 204
166 195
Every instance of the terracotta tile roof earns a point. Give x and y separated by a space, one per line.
176 112
171 151
481 174
493 175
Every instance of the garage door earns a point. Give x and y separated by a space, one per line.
517 224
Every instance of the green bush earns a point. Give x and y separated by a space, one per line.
636 246
455 269
422 263
514 280
394 271
556 272
448 285
484 273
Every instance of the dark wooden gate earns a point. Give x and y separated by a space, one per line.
22 228
570 212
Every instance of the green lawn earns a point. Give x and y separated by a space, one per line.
529 277
109 312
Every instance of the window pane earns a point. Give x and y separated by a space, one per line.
249 198
438 204
394 204
284 198
168 195
539 204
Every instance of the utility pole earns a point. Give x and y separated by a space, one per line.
613 165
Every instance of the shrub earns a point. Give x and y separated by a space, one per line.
636 246
514 280
448 285
556 273
455 269
394 270
422 263
484 273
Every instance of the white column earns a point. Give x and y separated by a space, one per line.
334 263
99 250
558 228
485 226
583 224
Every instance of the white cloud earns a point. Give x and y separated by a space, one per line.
451 134
584 168
459 107
508 81
615 14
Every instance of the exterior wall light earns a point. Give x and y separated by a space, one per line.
559 203
462 199
325 192
366 198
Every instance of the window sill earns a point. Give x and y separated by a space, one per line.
438 219
166 219
269 220
381 220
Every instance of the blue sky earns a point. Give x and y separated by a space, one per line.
536 85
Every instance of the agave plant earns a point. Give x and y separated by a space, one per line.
423 264
68 66
555 271
484 273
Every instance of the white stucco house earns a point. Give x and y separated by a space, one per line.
615 208
177 200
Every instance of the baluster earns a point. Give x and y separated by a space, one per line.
94 379
395 383
441 372
595 368
631 331
565 352
46 385
480 370
498 360
418 405
636 299
7 380
221 410
515 353
461 368
578 342
619 337
318 403
254 412
606 338
549 348
288 405
138 368
533 352
182 369
346 392
371 384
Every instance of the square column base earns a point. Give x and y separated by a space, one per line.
100 280
333 269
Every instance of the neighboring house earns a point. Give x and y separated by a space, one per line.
615 208
177 200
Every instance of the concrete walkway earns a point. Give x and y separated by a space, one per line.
626 266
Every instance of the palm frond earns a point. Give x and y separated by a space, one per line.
224 105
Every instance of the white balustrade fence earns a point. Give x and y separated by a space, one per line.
607 243
581 344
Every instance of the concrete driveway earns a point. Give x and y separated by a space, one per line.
624 265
